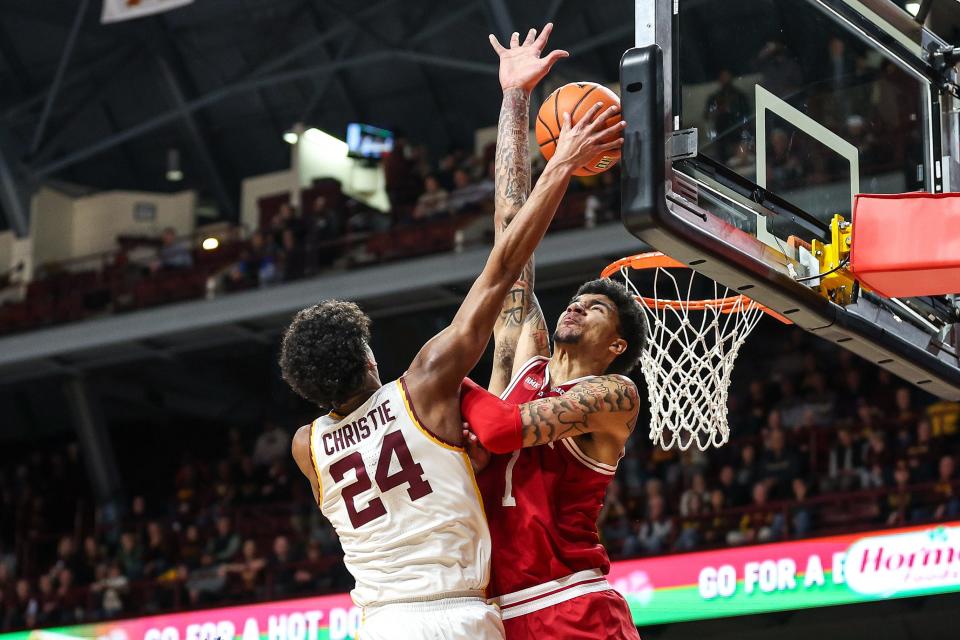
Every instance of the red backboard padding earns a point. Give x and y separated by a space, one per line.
907 244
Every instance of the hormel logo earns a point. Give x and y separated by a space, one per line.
921 560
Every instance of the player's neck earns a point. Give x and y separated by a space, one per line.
567 364
370 386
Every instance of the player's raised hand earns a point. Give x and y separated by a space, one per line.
590 136
521 64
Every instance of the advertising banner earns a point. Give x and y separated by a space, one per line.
863 567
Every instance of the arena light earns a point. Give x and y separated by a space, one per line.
174 174
210 244
290 137
913 8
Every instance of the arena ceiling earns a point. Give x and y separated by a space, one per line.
221 80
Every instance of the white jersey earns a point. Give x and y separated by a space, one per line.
405 505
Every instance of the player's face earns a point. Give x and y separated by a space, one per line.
589 320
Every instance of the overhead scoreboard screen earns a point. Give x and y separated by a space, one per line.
846 569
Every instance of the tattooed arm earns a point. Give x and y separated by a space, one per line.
520 331
603 405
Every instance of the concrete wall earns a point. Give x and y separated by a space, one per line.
51 225
99 219
6 250
63 228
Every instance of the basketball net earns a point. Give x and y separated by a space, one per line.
691 349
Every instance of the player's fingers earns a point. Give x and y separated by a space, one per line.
553 56
589 116
544 35
609 146
514 40
609 132
565 121
608 113
496 44
531 36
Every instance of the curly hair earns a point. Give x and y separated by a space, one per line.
324 352
631 322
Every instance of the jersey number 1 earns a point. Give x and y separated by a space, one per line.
410 473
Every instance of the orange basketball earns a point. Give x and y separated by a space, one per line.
576 98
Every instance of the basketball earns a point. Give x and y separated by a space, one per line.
575 98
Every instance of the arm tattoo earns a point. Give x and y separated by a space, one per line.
512 180
513 306
570 415
512 187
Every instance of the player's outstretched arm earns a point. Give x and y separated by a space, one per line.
447 358
520 331
603 404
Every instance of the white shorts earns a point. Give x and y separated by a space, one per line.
447 619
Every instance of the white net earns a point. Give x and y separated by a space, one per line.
689 359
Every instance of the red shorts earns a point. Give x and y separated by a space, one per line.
604 614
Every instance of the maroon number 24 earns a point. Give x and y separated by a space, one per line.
410 473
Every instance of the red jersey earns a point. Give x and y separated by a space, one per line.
542 505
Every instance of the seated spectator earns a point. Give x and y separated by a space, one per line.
759 525
801 513
747 474
224 485
174 254
466 196
23 610
876 462
49 603
778 466
157 554
225 544
248 482
733 495
130 556
91 557
325 226
904 413
946 503
111 587
614 523
271 446
845 467
292 257
691 525
718 525
191 549
899 500
921 454
285 218
432 202
654 533
277 486
698 488
261 265
67 558
283 578
69 600
248 571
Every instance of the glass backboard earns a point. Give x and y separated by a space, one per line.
796 106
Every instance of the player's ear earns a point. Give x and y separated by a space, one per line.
618 346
